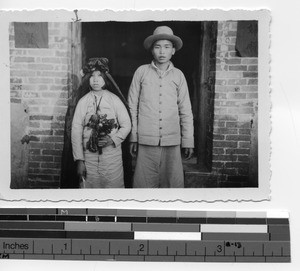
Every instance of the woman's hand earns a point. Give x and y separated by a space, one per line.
105 141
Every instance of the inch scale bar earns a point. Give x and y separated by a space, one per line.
145 250
142 235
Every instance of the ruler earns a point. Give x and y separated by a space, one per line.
144 235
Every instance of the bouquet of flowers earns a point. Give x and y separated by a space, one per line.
101 126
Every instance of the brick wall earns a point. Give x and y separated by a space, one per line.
236 101
40 81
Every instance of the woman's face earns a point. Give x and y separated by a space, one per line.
96 81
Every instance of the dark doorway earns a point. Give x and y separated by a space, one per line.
122 44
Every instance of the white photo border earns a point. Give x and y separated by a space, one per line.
262 193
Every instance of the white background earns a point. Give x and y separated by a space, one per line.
285 135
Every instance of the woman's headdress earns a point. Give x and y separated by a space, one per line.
95 64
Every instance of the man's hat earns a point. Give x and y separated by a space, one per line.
163 33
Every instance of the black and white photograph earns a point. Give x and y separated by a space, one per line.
144 104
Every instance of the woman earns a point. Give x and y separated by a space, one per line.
101 123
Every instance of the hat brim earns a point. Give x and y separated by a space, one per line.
148 42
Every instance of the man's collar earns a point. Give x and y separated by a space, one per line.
170 67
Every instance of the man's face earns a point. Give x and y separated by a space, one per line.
163 51
96 81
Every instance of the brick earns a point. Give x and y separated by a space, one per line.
221 82
40 52
43 87
226 117
15 101
231 33
225 74
233 54
57 125
231 158
232 61
250 74
65 61
230 124
59 132
59 146
245 131
39 102
57 159
236 96
228 131
16 80
16 94
41 132
238 137
218 151
34 124
251 88
42 145
22 73
243 171
60 118
237 82
231 47
34 138
54 60
14 52
251 95
238 68
61 81
41 158
35 151
243 158
61 46
219 124
237 151
59 102
224 144
218 137
53 74
220 110
23 59
50 165
56 110
51 152
246 110
218 165
40 67
253 82
249 61
62 53
236 165
244 145
40 80
52 139
40 117
220 96
41 177
45 171
252 68
33 165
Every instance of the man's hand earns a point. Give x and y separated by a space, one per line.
133 146
80 169
105 141
188 153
